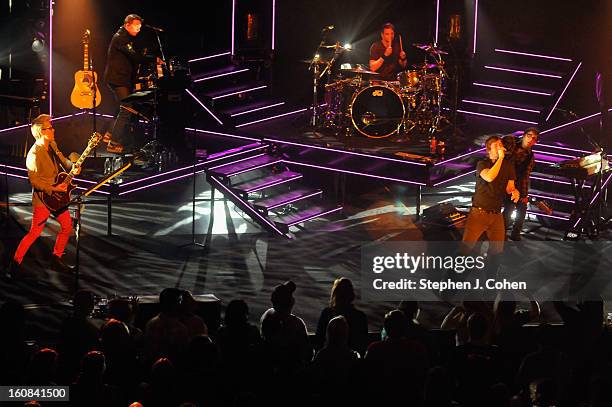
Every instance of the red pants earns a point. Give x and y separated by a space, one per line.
39 219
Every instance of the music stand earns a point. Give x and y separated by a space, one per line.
78 201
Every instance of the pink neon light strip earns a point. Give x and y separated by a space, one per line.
572 122
240 91
555 154
547 216
222 134
505 51
257 109
475 25
498 68
315 216
552 198
51 57
496 117
522 109
512 89
222 75
563 92
300 199
205 108
354 173
459 156
454 178
209 57
233 25
272 117
437 18
273 24
53 119
237 161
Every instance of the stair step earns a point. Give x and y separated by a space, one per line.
310 213
266 182
509 87
242 89
276 201
253 107
479 103
226 71
244 165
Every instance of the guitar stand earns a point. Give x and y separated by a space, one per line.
78 202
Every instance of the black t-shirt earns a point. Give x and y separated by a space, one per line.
390 67
491 195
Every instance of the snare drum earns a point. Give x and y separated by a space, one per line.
377 111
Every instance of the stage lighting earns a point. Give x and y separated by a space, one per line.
38 44
348 46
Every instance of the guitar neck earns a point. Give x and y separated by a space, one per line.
78 163
86 57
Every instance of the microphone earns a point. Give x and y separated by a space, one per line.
161 30
327 28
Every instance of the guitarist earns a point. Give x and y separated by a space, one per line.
44 161
121 67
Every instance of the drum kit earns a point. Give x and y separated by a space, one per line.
357 100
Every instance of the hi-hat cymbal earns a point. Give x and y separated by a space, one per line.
360 71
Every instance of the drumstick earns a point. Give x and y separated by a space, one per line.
401 47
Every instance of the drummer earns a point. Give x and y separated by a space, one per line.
387 57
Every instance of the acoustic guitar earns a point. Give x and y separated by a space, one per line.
85 81
57 201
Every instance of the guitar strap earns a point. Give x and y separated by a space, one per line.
56 160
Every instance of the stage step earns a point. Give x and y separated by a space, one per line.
267 204
284 222
266 182
244 165
228 71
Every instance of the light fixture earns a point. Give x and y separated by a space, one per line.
38 43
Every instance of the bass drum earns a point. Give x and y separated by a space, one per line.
377 111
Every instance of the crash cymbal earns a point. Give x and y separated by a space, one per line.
313 61
431 48
360 71
337 46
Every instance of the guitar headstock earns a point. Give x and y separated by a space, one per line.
94 140
86 36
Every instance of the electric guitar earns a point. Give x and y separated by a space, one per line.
58 201
85 82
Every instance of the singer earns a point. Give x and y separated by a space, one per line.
387 57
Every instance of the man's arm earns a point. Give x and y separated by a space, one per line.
489 174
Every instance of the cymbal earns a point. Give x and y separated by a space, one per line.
313 61
425 66
360 71
336 46
431 48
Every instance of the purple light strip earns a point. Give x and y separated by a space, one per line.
564 148
547 216
563 92
502 106
460 156
342 151
454 178
239 92
102 115
205 108
354 173
272 184
248 205
553 180
496 117
209 57
25 177
291 200
512 89
505 51
555 154
15 175
53 119
498 68
156 183
437 19
233 24
273 117
475 25
237 161
160 175
553 198
217 157
25 170
577 222
315 216
51 57
602 188
221 75
257 109
222 134
544 162
572 122
273 24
